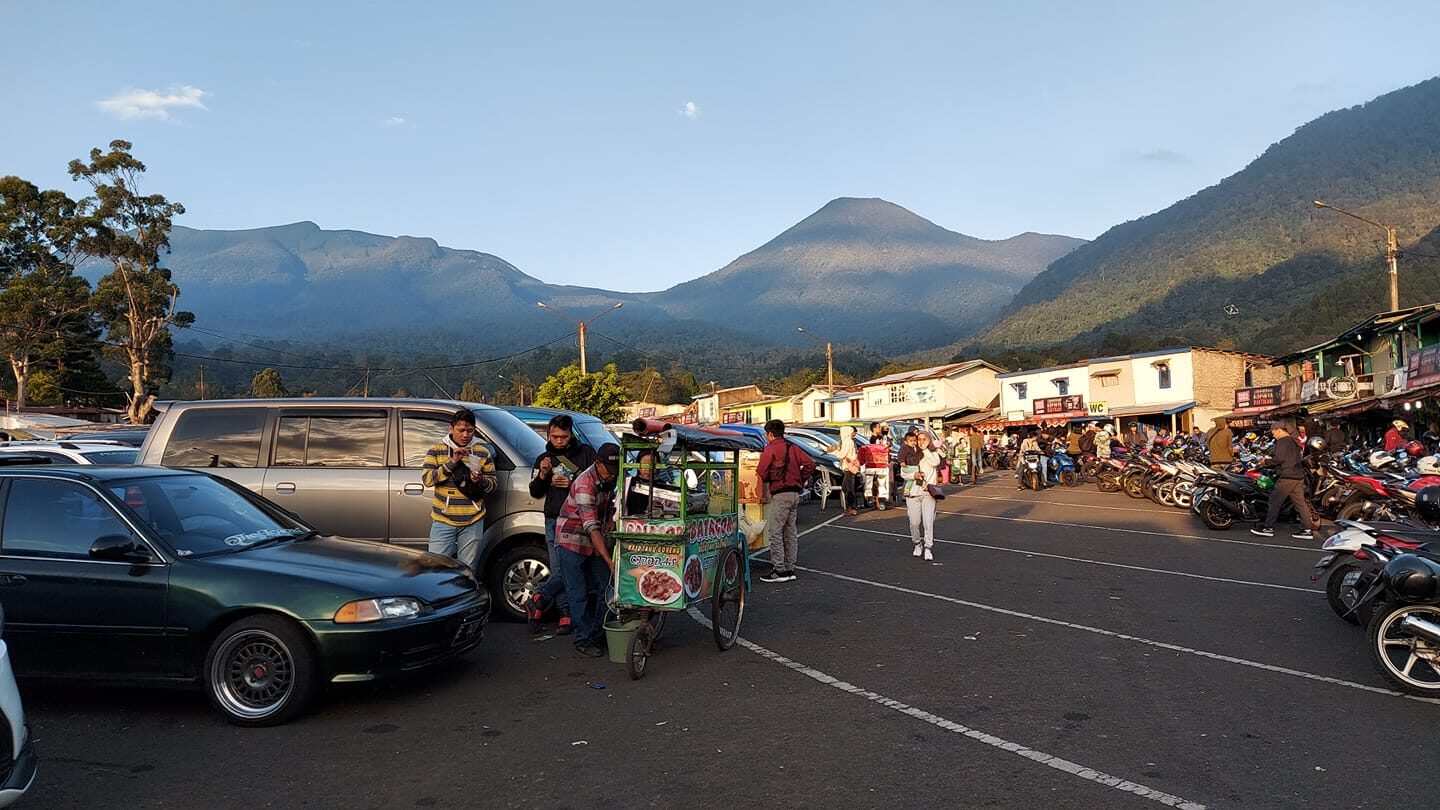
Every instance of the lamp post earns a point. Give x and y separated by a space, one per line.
829 359
580 325
1392 251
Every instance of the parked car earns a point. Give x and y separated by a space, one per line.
351 467
18 764
588 429
165 576
132 435
74 452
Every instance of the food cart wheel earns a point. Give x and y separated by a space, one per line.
727 602
639 653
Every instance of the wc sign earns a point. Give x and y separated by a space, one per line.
1098 409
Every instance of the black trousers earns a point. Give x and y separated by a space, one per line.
1294 490
849 491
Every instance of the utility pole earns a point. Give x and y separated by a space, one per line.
1392 251
202 380
829 359
581 326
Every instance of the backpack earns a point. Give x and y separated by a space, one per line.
804 464
798 468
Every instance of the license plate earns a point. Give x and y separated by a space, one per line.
468 630
1324 561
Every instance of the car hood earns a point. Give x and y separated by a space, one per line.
372 569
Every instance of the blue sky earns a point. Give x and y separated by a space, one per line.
633 145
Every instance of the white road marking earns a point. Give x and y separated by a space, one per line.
1065 765
1161 512
1093 562
1163 645
1130 531
763 553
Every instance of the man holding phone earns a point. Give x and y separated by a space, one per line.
462 474
554 470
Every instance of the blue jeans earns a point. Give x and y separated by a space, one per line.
582 574
552 590
458 542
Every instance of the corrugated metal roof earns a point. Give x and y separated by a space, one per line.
932 373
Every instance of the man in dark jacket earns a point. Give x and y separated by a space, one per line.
1220 443
781 472
563 459
1288 456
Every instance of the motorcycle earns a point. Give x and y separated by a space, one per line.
1353 558
1030 470
1404 629
1228 498
1063 470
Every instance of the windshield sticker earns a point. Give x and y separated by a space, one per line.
249 538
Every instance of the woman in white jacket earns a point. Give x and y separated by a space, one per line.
919 469
849 468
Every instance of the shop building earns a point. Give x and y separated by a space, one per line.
932 394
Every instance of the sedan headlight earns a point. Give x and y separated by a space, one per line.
373 610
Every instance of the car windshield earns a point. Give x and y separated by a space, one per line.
117 456
595 434
525 442
197 515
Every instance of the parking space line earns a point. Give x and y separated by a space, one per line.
1163 645
1163 512
1129 531
1065 765
762 553
1093 562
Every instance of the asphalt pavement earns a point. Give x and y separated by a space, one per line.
1066 649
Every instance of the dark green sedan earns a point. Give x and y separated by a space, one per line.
166 576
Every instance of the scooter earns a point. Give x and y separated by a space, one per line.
1063 470
1404 630
1224 500
1030 470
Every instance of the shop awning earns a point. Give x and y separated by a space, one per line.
1353 407
982 416
1164 409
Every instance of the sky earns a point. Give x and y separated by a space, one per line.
634 145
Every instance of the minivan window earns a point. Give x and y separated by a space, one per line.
418 434
55 519
331 441
215 437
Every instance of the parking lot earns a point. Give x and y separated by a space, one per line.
1066 649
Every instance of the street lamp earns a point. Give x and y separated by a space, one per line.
519 386
580 325
1392 251
829 358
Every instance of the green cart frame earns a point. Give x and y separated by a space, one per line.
685 549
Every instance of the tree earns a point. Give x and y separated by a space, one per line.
599 394
39 292
470 392
268 385
136 301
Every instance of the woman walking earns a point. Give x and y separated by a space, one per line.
919 465
849 470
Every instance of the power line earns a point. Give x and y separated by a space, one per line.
688 362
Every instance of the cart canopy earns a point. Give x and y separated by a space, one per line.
696 438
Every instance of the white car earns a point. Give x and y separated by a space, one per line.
17 754
74 452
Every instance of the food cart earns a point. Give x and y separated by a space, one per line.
683 543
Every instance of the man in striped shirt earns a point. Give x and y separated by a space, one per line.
462 473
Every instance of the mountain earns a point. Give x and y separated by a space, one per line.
856 271
868 271
1255 245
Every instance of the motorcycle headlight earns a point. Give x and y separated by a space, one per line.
374 610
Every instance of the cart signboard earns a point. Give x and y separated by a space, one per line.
649 573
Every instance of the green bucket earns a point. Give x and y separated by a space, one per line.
617 637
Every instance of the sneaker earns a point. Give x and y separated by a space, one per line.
1304 534
565 627
589 650
775 575
928 556
790 575
534 612
915 552
1263 532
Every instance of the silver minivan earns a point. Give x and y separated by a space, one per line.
351 467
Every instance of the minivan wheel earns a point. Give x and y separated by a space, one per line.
260 671
517 577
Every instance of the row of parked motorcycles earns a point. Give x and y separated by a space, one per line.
1381 570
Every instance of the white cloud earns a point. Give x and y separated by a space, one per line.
691 110
393 121
152 103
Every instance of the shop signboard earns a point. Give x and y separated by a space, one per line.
1423 368
1072 405
1343 387
1256 399
1291 390
1099 409
733 418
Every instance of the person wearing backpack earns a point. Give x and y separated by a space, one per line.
783 470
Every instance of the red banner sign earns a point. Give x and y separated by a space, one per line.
1423 368
1073 405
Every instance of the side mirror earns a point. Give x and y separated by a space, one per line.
118 548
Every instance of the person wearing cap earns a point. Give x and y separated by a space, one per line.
1395 436
1288 456
462 474
582 550
550 478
